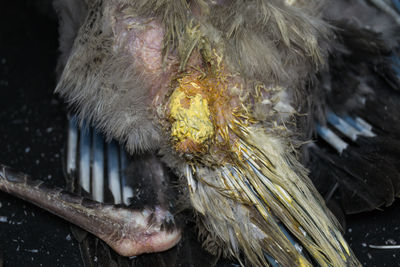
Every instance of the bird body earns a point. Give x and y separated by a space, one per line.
226 93
213 87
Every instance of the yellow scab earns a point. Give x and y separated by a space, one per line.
192 125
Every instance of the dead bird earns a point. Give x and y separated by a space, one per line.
219 92
199 80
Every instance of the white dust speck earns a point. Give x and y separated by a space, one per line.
369 256
349 230
68 237
364 245
1 205
95 259
3 219
27 149
49 130
32 250
390 241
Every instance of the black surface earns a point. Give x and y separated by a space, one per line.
32 135
32 138
376 228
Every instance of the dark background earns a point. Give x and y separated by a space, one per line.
32 140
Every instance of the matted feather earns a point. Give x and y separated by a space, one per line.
265 184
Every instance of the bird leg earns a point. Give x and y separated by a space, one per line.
129 232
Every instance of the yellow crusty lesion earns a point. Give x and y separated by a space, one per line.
191 117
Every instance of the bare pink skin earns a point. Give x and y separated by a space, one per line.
138 236
157 242
142 40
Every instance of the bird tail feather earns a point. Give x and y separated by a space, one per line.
242 202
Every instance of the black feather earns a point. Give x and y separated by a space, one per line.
361 82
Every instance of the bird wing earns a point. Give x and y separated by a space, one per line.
354 159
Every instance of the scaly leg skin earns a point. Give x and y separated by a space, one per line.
128 232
